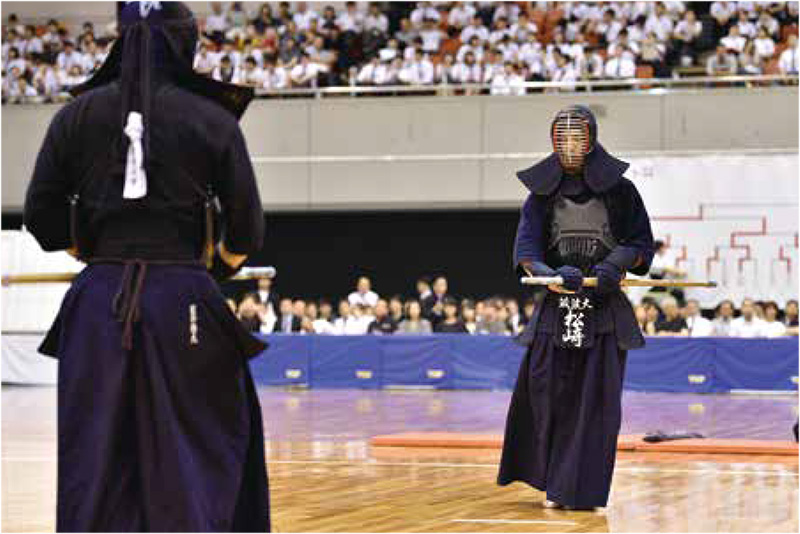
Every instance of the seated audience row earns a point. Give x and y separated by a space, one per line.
435 310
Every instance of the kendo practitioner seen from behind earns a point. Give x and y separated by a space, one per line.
159 425
582 218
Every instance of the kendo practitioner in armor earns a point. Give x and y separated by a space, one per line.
159 425
581 218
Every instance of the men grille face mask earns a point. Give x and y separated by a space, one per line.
571 139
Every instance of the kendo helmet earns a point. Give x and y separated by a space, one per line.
574 135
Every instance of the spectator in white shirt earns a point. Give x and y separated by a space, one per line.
575 49
772 326
747 325
592 66
289 53
390 51
216 23
659 23
687 33
468 71
769 23
367 75
389 74
749 61
524 27
14 61
351 20
460 15
32 44
407 33
248 50
419 71
698 325
423 12
321 319
764 45
722 12
303 16
375 21
507 82
558 43
473 46
305 73
789 62
275 77
629 49
205 60
250 75
620 65
721 63
610 26
747 28
45 80
563 71
348 323
431 36
411 51
724 319
21 92
734 41
493 66
229 49
747 10
446 72
269 304
506 10
476 27
363 295
509 50
637 30
92 58
237 14
583 11
225 71
532 55
12 40
70 58
71 78
51 36
317 53
500 31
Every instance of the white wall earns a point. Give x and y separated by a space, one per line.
717 169
422 130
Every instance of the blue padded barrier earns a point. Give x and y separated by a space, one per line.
458 361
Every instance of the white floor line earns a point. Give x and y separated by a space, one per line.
367 463
514 521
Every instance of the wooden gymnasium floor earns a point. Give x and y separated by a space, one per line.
325 477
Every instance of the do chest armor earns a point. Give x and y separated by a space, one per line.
580 234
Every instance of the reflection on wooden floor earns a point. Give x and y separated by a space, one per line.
345 486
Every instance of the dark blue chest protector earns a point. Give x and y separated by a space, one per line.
580 234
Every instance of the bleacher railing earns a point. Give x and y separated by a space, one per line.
641 84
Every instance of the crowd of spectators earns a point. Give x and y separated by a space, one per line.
499 44
436 310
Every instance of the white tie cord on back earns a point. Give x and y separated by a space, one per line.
135 177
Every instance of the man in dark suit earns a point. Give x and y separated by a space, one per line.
288 322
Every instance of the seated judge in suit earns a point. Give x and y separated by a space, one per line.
288 322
